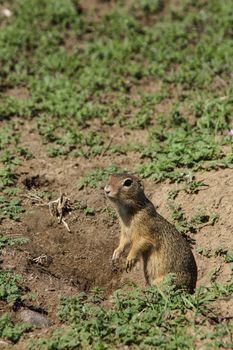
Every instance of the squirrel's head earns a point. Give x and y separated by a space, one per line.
124 189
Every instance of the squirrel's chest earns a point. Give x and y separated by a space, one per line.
126 228
130 228
128 232
133 224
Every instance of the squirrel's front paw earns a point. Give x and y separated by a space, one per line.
116 254
130 263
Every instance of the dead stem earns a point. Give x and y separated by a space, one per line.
58 207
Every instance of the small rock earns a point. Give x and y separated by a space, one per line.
6 12
34 318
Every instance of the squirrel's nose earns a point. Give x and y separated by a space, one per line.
107 189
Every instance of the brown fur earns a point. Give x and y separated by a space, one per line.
162 248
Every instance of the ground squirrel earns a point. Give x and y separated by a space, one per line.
162 248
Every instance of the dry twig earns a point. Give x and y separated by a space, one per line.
58 207
108 146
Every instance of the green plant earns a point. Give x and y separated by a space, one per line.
160 317
198 220
191 187
229 256
194 186
95 176
10 205
10 208
9 289
10 331
203 251
201 219
220 251
11 240
151 6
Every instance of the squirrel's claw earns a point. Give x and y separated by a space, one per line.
130 264
116 255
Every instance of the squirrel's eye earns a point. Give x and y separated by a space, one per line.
128 182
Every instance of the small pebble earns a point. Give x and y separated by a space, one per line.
34 318
6 12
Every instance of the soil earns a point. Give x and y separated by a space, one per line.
56 262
